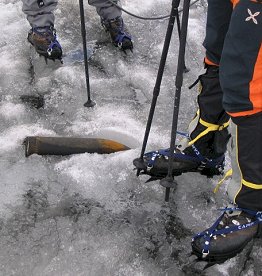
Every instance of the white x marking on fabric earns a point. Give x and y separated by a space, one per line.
252 16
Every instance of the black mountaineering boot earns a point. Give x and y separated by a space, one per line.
118 33
189 160
204 146
45 42
228 236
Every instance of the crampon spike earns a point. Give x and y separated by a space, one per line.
168 182
137 172
209 265
152 179
139 164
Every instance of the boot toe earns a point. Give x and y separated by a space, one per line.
56 53
160 166
224 246
127 44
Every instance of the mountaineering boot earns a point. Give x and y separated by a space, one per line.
188 160
119 33
228 236
204 146
45 42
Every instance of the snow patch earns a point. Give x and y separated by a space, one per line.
13 137
12 111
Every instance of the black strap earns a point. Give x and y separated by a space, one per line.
194 84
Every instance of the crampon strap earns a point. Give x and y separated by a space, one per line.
212 231
121 35
53 44
120 38
199 158
209 127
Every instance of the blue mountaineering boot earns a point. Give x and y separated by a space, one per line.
45 42
118 33
228 236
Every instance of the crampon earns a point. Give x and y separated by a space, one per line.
155 163
45 43
119 34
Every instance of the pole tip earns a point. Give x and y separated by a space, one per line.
168 182
90 103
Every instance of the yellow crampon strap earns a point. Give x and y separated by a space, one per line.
227 175
209 127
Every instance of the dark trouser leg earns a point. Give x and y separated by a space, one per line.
211 120
245 189
218 18
211 111
241 79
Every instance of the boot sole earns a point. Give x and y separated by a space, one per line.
208 172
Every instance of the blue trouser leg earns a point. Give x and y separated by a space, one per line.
105 9
40 15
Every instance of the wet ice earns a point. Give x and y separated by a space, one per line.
88 214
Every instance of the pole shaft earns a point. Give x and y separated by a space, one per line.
179 82
173 16
83 32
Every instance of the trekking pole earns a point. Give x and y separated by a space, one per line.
169 182
89 102
139 162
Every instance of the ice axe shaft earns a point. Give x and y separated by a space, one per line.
68 145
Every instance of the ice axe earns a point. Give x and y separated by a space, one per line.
89 102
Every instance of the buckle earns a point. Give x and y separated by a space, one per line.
221 128
204 254
49 51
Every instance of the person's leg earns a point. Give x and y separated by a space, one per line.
106 9
218 18
205 147
241 81
211 111
203 150
40 12
42 35
245 188
113 23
